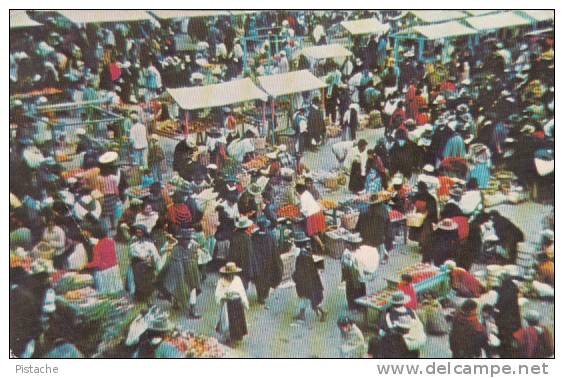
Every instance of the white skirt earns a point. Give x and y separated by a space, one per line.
108 281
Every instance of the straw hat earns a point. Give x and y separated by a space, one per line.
447 224
230 268
108 157
429 168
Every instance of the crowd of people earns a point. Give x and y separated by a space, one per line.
450 124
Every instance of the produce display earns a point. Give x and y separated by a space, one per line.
289 212
328 204
420 272
168 127
260 162
72 281
197 346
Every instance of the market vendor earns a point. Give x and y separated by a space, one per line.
443 243
355 164
183 157
315 219
105 264
463 282
355 287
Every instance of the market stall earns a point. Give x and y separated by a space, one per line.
493 22
425 37
104 16
20 20
285 91
315 54
426 278
435 16
206 97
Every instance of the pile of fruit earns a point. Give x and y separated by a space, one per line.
328 204
72 173
421 272
21 261
289 212
168 127
381 299
195 346
80 294
260 162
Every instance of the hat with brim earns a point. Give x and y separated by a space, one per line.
184 234
212 166
528 129
108 157
399 298
243 223
254 189
429 168
532 316
271 155
300 237
447 224
230 268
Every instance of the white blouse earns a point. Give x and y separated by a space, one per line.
308 204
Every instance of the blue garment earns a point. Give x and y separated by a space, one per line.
455 147
481 172
373 182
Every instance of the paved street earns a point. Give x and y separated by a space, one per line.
272 331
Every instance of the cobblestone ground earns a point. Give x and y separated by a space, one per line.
272 331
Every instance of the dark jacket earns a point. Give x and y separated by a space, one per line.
240 252
316 124
467 336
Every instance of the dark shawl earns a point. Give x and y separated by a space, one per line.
307 279
374 225
240 252
268 262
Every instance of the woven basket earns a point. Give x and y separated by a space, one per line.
331 183
415 219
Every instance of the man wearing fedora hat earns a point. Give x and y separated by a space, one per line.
398 310
182 277
231 296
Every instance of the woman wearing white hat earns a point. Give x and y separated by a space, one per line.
231 296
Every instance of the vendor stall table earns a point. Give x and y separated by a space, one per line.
433 280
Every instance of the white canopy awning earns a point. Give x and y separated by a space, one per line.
429 16
101 16
165 14
480 12
215 95
20 19
365 26
444 30
290 82
539 15
496 21
326 51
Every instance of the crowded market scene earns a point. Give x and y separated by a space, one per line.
281 184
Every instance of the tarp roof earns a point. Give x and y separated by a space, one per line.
165 14
101 16
539 15
438 15
365 26
215 95
480 12
20 19
443 30
326 51
290 82
496 21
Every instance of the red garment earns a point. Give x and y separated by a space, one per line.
463 227
399 112
531 344
539 134
446 184
104 255
408 289
422 119
315 224
463 281
179 214
421 206
448 87
115 71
